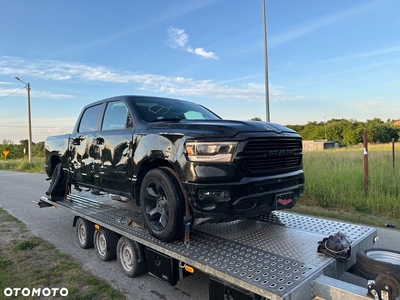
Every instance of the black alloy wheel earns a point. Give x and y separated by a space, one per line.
161 201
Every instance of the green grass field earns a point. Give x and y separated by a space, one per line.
335 184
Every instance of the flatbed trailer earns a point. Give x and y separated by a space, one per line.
271 257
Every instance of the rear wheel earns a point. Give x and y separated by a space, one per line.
105 243
161 202
130 257
84 231
57 184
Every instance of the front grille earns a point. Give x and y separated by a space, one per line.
268 155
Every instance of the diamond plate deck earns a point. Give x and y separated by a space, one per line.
273 256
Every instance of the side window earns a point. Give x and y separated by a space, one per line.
90 119
116 116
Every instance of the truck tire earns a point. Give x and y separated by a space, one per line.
57 183
85 232
130 257
105 243
161 202
372 262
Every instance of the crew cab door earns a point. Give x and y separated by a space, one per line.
113 145
82 153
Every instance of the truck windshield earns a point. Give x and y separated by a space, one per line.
153 109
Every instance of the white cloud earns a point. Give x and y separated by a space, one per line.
315 24
201 52
5 93
364 54
177 86
177 39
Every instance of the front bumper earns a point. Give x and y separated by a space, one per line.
251 196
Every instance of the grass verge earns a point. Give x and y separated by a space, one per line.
36 166
346 216
27 261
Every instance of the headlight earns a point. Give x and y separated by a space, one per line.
211 152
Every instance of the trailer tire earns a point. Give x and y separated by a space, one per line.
105 242
57 183
85 232
372 262
161 202
130 257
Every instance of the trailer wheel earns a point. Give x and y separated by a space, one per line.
105 243
161 202
85 232
130 257
372 262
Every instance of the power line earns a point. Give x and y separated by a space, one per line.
21 126
12 93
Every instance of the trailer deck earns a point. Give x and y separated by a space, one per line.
273 256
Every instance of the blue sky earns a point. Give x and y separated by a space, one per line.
326 59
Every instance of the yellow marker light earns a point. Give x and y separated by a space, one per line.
189 150
189 269
96 226
54 207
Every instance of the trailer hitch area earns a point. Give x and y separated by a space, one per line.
42 203
384 287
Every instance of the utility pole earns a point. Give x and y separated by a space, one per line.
28 89
266 63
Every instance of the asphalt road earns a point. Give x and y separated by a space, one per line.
18 189
55 225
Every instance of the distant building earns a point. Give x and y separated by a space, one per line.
397 123
316 145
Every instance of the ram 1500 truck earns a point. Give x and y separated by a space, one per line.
180 162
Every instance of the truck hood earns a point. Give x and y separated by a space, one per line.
220 128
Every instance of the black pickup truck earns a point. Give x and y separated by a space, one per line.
179 161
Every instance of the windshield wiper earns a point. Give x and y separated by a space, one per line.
176 119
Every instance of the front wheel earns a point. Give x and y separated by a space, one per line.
161 202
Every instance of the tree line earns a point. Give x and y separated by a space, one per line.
348 132
18 151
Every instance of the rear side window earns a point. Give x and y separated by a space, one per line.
116 116
90 119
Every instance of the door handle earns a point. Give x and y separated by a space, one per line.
77 139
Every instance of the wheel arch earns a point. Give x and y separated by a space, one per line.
53 160
146 167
